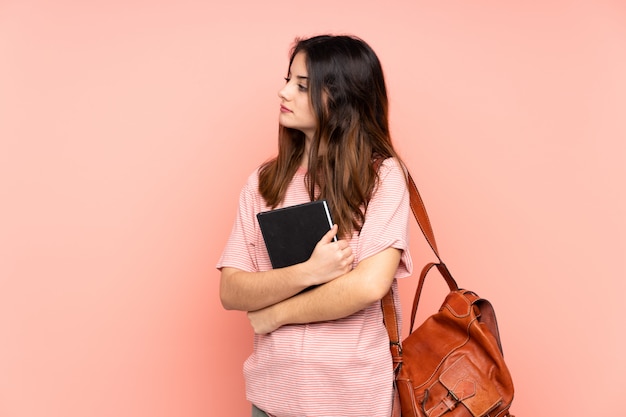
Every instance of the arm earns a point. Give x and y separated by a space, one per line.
383 254
248 291
352 292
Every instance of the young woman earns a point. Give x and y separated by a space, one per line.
324 352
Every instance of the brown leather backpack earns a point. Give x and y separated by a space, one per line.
452 365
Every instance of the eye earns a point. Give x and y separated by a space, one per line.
301 87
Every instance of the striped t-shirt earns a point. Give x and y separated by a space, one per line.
334 368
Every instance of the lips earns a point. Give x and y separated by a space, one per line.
284 109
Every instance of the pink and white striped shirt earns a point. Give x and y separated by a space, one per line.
338 368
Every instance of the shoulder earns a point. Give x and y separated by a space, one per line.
252 181
391 168
391 182
249 192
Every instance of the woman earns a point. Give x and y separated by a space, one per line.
324 352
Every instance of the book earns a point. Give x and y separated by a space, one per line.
291 233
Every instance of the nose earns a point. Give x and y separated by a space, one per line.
283 93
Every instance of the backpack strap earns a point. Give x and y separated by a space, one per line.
390 315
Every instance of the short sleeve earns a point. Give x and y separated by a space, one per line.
387 218
240 247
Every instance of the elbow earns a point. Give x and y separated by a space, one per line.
376 290
378 273
225 295
227 302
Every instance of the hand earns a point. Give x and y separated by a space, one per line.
330 259
262 321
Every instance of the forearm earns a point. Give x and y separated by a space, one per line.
248 291
251 291
352 292
331 301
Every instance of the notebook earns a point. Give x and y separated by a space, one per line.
291 233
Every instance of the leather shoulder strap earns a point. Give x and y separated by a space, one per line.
390 315
421 216
419 212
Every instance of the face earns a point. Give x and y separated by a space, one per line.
295 105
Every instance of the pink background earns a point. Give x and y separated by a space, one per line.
128 128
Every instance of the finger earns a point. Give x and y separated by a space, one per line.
329 236
347 249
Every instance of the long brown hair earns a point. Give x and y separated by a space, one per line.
349 98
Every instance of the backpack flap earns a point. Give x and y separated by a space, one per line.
462 384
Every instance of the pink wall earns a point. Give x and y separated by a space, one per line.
127 129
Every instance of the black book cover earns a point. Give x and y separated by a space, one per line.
291 233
